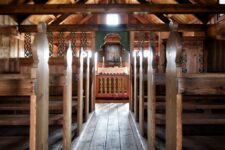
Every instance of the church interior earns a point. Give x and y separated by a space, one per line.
112 74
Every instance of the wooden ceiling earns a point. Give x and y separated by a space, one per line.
63 19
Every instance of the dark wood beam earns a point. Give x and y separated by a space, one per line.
19 19
123 27
58 20
113 8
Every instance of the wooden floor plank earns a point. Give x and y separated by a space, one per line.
113 136
86 142
126 133
110 128
99 138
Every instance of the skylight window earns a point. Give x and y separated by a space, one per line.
112 19
222 1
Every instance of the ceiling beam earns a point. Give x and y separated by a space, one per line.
123 27
113 8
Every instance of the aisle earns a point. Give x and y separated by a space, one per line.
110 128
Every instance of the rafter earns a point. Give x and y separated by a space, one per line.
113 8
160 16
64 16
59 19
85 19
202 17
140 19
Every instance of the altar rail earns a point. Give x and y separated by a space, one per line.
112 86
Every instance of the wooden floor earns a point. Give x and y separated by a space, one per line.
110 128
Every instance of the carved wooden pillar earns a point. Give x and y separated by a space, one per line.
173 100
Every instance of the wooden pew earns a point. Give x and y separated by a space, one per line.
178 86
156 104
33 86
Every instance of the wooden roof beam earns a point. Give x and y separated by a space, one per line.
113 8
123 27
60 19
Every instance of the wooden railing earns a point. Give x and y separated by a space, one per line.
112 86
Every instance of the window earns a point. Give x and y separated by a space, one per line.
112 19
221 1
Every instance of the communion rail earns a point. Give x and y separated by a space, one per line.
112 87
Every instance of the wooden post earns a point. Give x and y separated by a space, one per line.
131 98
131 85
94 68
80 94
87 88
173 102
135 86
151 103
33 103
162 57
67 100
40 101
141 94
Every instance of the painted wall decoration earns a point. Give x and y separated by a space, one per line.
73 37
27 45
192 55
61 44
50 43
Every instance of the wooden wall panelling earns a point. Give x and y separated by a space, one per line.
67 100
216 53
40 100
151 103
173 101
4 46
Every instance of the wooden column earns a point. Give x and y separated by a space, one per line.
67 100
33 103
131 97
87 88
80 94
40 101
162 56
173 101
151 103
131 71
135 86
94 69
141 94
